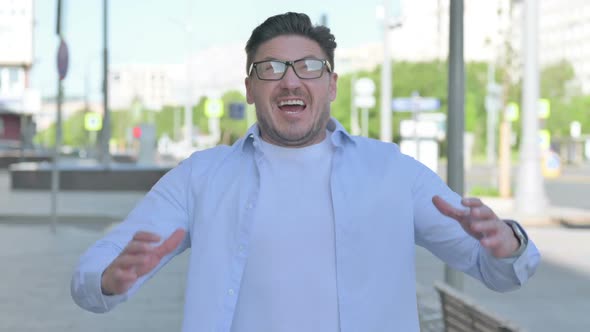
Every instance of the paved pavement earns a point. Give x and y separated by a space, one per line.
37 265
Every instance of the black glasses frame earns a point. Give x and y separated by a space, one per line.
254 67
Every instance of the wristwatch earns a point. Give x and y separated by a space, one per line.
520 234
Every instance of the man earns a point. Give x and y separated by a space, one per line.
300 226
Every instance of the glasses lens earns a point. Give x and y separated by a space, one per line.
304 68
309 68
270 70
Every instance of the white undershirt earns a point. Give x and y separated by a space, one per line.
289 282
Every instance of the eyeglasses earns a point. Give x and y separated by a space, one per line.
274 70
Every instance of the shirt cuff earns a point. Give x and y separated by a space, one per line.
92 288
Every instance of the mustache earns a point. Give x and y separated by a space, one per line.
291 93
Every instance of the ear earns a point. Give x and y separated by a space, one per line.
333 88
249 97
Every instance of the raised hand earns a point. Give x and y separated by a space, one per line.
479 221
137 259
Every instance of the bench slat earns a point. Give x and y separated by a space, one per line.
461 314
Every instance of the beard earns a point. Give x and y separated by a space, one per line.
281 132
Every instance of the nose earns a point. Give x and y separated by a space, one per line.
290 80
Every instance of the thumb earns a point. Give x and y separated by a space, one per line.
171 243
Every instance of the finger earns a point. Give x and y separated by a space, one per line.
146 236
137 247
490 242
170 243
122 281
482 213
122 275
487 227
448 210
471 202
130 262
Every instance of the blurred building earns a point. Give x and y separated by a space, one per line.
492 32
564 34
423 34
18 103
150 84
211 72
70 106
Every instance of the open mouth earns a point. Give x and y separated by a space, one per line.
292 106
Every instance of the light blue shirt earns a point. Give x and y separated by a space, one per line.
289 282
382 202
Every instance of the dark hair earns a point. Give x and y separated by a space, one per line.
291 24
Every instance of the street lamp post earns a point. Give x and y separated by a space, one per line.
106 126
386 75
386 80
456 126
530 193
188 103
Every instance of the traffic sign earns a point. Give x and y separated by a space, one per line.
550 164
415 104
364 101
544 108
62 59
214 108
92 121
575 129
237 110
511 113
544 139
364 87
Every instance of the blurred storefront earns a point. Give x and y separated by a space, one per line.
18 102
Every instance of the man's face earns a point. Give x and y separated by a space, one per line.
292 111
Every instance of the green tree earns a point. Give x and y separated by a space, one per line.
555 79
426 78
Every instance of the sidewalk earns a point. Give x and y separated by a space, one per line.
37 267
554 215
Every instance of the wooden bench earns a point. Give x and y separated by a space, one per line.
461 314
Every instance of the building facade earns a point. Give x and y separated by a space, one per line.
18 102
564 34
422 34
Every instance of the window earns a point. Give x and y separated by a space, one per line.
13 75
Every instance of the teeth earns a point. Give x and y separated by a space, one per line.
292 102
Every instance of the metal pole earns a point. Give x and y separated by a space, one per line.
58 133
492 112
456 127
106 126
386 130
188 106
415 110
354 120
365 115
57 148
530 192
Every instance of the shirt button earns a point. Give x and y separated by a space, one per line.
241 248
250 206
231 292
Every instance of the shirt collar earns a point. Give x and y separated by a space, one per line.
339 135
